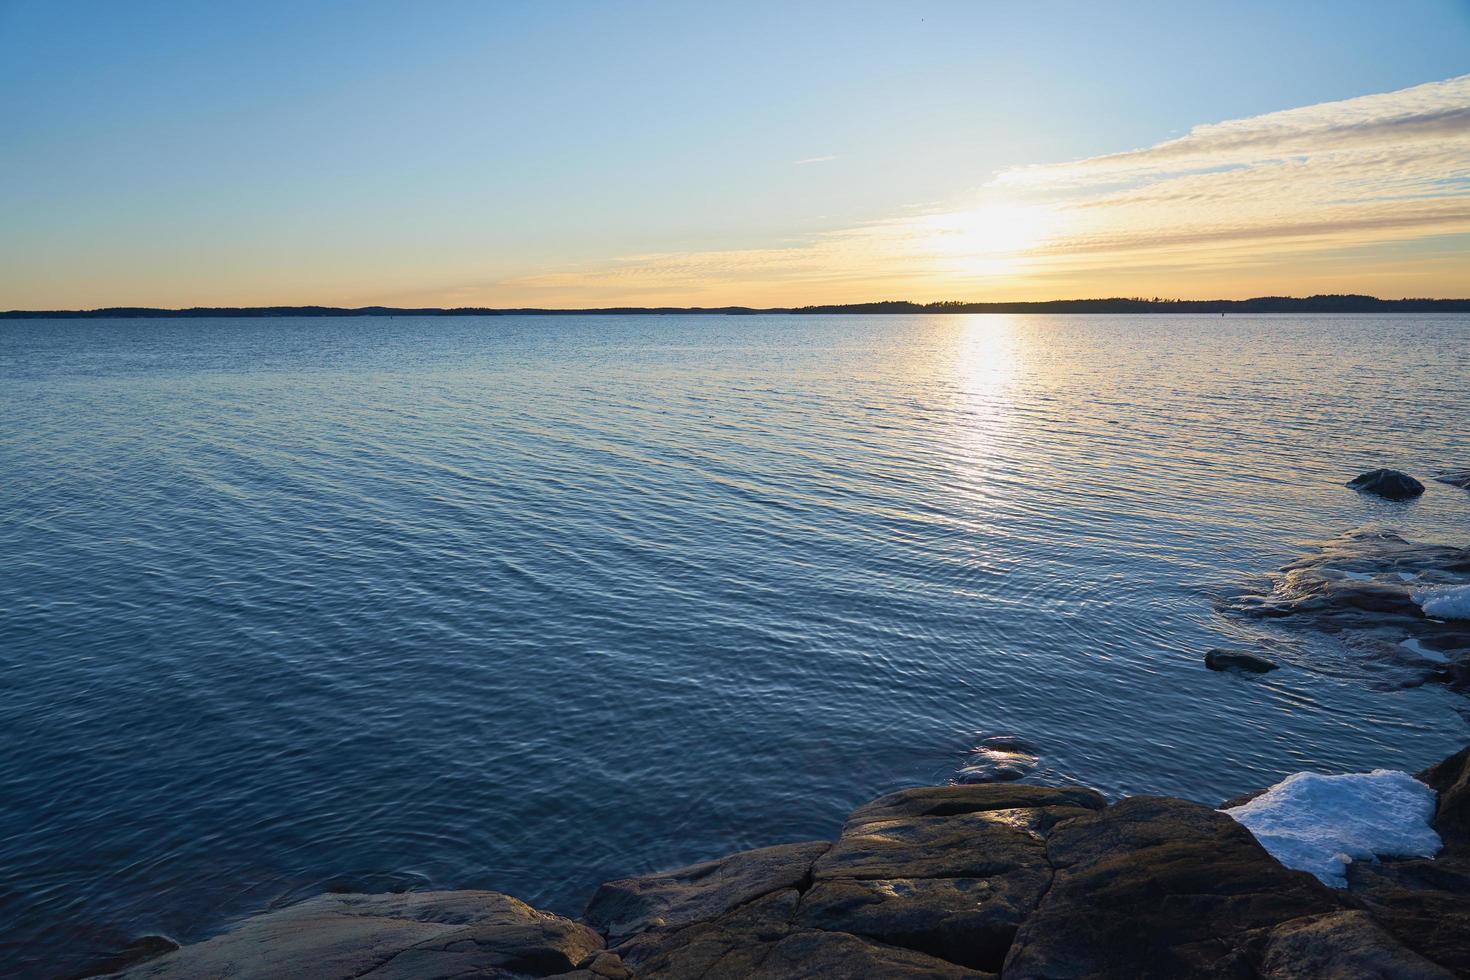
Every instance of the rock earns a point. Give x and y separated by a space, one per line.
1342 944
947 801
836 956
1451 780
1243 660
968 921
1455 478
946 871
760 941
619 909
1424 904
1159 887
386 937
137 951
1388 483
969 845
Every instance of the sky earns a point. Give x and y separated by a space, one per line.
569 154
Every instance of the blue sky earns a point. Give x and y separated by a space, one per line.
175 154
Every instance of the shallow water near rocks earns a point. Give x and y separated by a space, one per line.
528 603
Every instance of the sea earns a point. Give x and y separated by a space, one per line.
527 603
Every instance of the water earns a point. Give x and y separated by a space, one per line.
528 603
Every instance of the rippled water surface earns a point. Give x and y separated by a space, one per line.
528 603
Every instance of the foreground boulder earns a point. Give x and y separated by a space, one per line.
1387 483
1159 887
951 872
387 937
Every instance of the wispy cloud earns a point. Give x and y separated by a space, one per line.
806 160
1254 198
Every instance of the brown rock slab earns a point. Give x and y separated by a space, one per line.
947 871
1159 887
1425 904
421 935
628 906
968 921
760 941
1342 944
1451 780
949 801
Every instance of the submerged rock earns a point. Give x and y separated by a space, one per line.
1455 478
1387 483
1238 660
998 759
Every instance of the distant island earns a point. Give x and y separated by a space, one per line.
1347 303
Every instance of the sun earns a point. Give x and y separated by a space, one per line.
986 239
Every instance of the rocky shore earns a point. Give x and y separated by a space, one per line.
1005 880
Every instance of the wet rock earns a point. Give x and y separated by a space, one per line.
386 937
1159 887
1242 660
701 891
1360 585
1342 944
1455 478
998 759
1387 483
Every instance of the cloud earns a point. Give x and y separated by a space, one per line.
1269 193
807 160
1408 121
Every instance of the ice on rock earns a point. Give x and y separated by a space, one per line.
1321 824
1445 602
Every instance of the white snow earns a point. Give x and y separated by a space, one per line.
1321 824
1444 602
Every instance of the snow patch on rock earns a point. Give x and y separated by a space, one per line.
1321 824
1445 602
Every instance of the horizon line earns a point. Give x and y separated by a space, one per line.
1318 302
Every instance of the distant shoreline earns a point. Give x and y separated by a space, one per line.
1259 304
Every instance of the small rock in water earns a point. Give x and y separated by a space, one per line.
998 759
1388 483
1455 478
1238 660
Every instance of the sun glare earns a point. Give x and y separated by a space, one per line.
986 239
